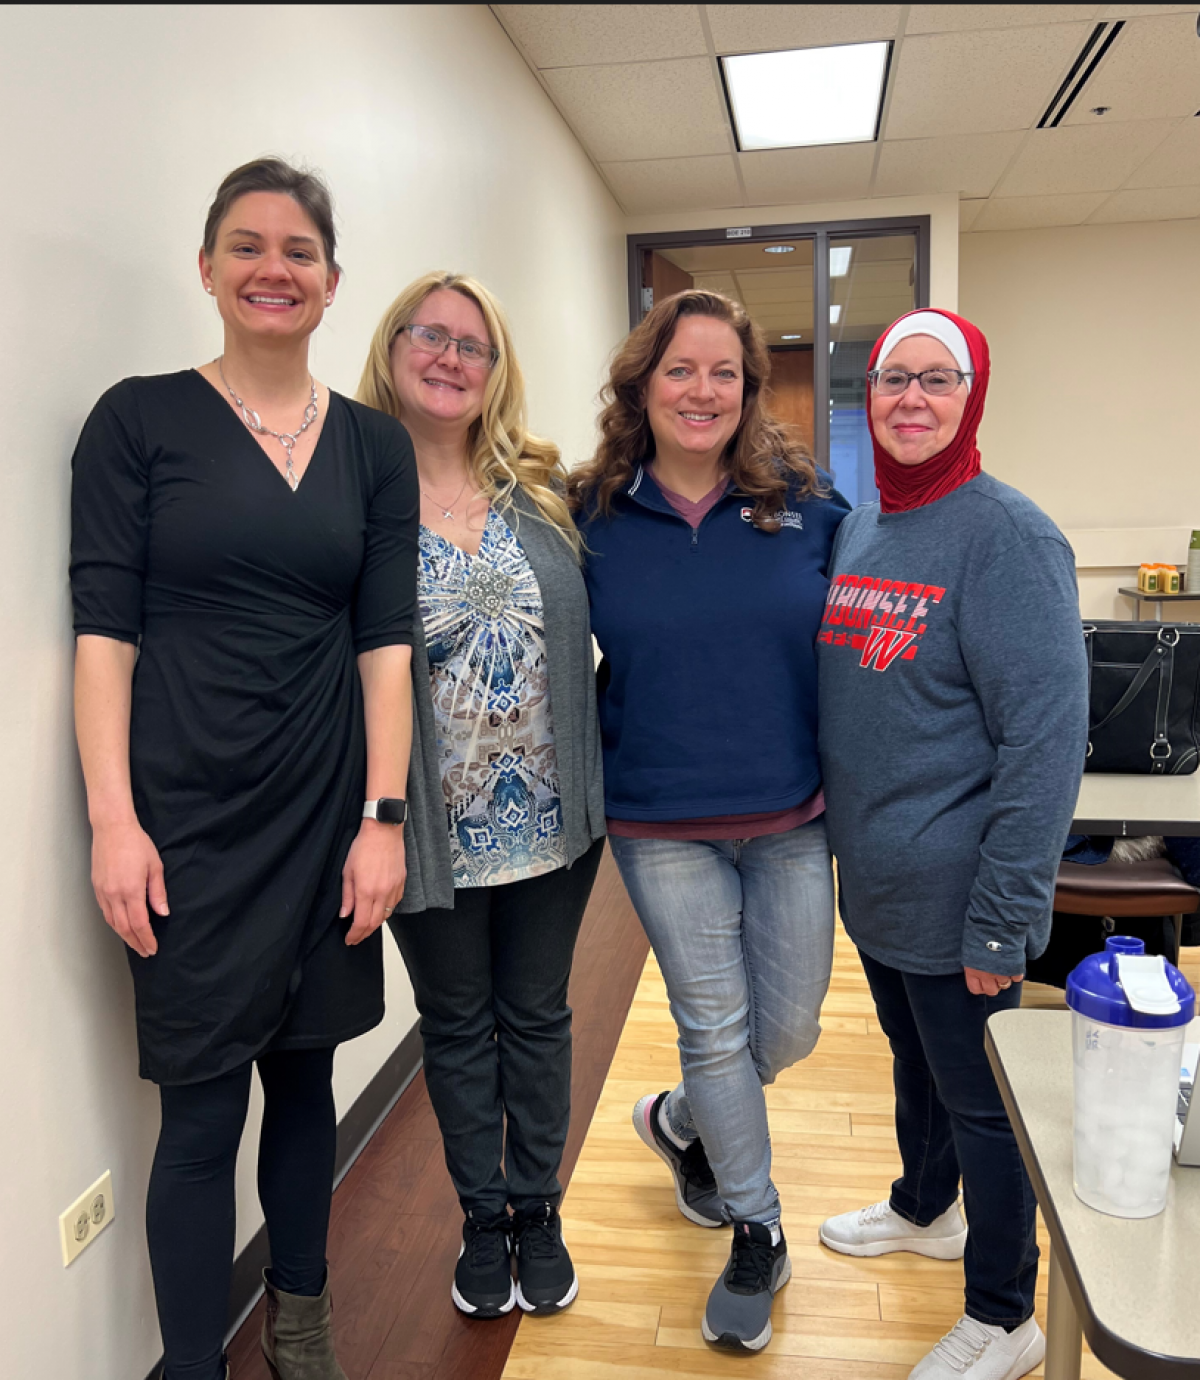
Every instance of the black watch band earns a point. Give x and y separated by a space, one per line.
387 810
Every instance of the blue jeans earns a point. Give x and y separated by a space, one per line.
950 1121
743 933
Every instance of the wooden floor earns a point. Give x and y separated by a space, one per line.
645 1272
396 1225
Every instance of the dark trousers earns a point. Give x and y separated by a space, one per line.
190 1203
950 1121
490 978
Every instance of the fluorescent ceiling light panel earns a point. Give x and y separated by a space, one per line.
807 96
835 314
839 261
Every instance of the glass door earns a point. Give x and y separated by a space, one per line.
872 281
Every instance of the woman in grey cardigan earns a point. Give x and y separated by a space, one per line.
506 807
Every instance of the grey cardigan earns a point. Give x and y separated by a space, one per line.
571 667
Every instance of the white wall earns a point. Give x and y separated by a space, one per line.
1092 404
116 124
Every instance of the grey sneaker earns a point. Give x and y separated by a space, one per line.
738 1314
695 1187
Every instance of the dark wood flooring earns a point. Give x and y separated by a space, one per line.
396 1225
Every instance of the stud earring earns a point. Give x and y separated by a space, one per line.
211 292
329 301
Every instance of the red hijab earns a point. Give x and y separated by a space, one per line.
902 487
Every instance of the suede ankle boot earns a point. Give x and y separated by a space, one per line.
297 1335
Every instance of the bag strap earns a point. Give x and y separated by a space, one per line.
1160 748
1148 667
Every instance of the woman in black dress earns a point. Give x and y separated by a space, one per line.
243 570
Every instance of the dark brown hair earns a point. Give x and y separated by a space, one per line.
764 458
307 190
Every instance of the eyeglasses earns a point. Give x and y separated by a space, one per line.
430 341
937 383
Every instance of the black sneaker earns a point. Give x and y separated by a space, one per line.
738 1315
483 1282
546 1279
695 1187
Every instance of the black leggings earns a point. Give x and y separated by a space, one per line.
190 1203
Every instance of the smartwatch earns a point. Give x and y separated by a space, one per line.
387 810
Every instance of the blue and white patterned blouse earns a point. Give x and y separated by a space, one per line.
485 634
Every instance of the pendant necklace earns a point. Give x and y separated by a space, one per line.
447 513
287 439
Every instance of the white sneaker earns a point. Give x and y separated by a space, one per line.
982 1352
876 1230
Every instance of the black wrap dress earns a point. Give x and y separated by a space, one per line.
249 604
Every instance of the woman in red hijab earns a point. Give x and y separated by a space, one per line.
953 714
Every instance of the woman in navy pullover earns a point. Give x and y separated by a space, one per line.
708 532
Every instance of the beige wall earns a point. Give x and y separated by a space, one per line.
1092 407
117 123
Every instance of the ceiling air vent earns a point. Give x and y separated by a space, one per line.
1100 40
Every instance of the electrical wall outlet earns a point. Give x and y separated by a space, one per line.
87 1217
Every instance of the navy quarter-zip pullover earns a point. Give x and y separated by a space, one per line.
708 687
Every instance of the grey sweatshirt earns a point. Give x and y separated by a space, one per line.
953 726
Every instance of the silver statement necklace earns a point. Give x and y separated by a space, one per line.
447 513
287 439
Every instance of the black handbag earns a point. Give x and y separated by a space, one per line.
1143 697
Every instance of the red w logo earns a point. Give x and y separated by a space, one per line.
884 645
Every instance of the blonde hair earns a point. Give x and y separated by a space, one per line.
502 455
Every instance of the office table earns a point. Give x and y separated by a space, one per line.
1128 806
1140 597
1129 1286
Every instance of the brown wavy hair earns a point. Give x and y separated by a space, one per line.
765 458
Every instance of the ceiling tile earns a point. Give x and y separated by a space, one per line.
1037 212
977 83
581 35
1153 70
1160 203
940 19
643 110
764 28
724 283
738 256
1175 163
1081 159
968 213
835 172
674 184
1124 11
966 163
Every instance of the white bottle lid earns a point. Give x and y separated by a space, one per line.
1144 978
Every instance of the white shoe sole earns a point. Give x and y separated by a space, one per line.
646 1136
471 1310
567 1298
936 1248
753 1343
